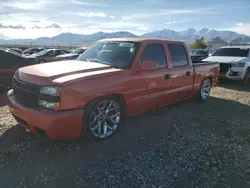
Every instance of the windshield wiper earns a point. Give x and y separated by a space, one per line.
101 62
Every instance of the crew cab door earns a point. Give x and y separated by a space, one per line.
182 72
149 87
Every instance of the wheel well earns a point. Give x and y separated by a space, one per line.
123 102
211 81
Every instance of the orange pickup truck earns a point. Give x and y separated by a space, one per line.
112 79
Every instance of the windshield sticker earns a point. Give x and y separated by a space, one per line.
126 44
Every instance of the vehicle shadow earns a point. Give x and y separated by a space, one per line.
234 85
136 133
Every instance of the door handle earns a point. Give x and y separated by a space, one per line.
188 73
167 76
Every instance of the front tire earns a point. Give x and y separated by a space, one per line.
102 118
205 89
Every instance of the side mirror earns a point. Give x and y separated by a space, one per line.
149 65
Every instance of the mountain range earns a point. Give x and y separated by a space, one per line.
212 36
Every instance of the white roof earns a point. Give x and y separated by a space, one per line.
237 46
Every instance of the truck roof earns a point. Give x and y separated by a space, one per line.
137 39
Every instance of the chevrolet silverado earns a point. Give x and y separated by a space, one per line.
112 79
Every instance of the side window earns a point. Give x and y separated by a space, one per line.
51 53
178 55
62 52
155 51
35 50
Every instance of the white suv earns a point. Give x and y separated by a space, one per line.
234 62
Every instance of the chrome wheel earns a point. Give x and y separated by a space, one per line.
105 118
205 89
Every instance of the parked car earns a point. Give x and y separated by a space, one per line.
10 61
18 50
48 55
198 55
234 62
31 51
71 56
112 79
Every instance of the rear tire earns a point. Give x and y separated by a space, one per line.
246 77
102 118
205 89
41 61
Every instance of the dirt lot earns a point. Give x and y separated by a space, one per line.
189 144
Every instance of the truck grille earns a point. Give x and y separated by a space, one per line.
224 67
25 93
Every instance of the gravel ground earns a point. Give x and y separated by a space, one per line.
189 144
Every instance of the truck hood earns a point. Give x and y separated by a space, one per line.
225 59
58 73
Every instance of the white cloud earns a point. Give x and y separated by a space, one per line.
126 18
142 28
112 17
241 28
239 24
93 14
167 12
29 5
175 22
89 3
31 25
29 33
188 11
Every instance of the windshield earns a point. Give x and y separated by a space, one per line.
113 53
43 52
232 52
77 51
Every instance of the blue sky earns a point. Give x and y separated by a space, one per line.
32 19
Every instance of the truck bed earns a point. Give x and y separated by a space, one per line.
207 69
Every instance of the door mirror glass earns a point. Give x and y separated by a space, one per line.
149 65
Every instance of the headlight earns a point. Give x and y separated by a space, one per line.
49 105
50 90
240 64
49 97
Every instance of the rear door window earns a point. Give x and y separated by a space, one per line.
177 54
51 53
61 52
156 52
